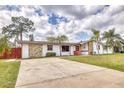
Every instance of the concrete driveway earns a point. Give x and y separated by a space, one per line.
56 72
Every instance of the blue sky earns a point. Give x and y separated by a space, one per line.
74 21
55 19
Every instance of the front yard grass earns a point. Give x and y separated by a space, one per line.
113 61
8 73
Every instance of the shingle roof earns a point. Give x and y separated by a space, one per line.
53 43
46 42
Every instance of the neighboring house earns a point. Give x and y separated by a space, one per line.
32 49
121 50
101 49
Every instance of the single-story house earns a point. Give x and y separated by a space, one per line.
32 49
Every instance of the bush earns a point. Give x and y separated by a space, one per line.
50 54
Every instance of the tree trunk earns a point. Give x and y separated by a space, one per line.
113 51
15 45
21 38
107 50
98 50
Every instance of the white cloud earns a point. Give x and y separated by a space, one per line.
81 19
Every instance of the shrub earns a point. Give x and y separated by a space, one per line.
50 54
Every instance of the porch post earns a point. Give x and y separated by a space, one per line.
70 49
60 47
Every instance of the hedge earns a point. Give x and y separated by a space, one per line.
50 54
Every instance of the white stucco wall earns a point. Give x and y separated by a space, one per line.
109 51
85 49
84 53
85 46
95 49
25 51
72 49
65 53
56 49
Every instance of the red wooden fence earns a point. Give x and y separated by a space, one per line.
11 54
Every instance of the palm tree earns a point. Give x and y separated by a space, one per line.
59 39
105 47
113 40
96 38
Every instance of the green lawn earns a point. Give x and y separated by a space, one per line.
113 61
8 73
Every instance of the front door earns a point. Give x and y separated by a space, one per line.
77 48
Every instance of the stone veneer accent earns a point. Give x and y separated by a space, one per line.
90 48
35 50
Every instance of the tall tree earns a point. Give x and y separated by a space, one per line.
113 40
62 38
52 39
96 38
59 39
18 26
3 44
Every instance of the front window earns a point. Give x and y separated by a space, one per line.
65 48
49 47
